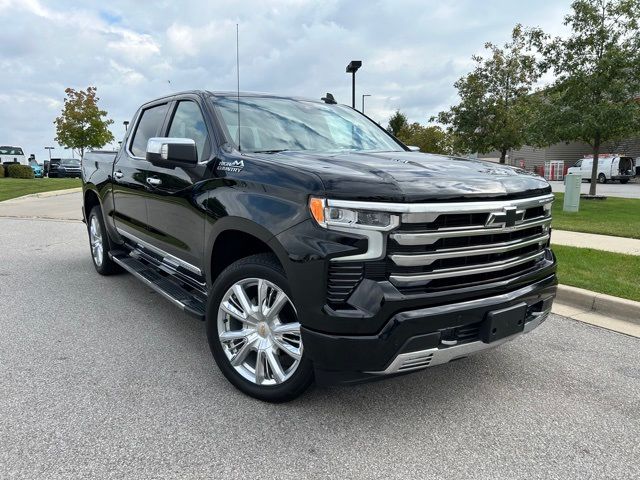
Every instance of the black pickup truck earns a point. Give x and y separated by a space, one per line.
314 244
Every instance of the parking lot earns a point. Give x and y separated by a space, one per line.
102 378
629 190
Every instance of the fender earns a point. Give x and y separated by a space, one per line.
243 225
105 200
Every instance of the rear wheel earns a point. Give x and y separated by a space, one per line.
254 331
99 243
602 178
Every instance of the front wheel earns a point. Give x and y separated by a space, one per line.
254 331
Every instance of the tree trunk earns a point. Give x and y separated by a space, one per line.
503 155
594 166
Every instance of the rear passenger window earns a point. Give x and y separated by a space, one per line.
188 123
148 126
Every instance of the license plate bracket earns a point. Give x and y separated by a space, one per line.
503 323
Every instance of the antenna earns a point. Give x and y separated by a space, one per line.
238 79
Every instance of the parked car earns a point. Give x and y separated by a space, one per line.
610 167
9 154
64 167
314 244
38 170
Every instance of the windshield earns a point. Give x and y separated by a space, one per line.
277 124
71 162
11 151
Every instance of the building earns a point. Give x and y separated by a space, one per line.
534 159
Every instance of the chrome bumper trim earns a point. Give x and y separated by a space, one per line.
407 362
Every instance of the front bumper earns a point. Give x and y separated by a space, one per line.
68 174
421 338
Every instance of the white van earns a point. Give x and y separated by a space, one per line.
12 154
610 167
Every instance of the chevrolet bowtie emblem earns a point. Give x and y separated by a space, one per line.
509 217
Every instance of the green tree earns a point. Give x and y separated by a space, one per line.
495 103
397 123
82 124
430 139
596 95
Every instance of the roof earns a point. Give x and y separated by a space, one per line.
229 93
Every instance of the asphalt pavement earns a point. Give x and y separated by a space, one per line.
102 378
611 189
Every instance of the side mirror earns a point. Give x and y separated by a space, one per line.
413 148
167 151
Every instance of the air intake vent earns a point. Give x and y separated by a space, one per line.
343 278
416 361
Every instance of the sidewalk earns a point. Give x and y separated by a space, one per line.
629 246
56 205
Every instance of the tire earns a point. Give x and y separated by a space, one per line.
271 341
602 178
624 181
99 244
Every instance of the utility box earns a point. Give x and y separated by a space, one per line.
572 184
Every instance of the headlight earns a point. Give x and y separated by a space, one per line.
328 216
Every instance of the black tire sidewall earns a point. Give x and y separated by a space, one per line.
258 266
108 266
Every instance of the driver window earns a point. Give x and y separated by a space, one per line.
188 122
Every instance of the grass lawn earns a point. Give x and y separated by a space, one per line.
16 187
604 272
613 216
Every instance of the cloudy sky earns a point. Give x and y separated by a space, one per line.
412 52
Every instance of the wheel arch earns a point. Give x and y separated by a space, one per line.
90 200
233 238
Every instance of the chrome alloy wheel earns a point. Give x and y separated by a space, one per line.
259 331
95 239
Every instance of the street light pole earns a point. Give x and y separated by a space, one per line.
352 68
367 95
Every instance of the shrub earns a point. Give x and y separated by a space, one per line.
19 171
1 171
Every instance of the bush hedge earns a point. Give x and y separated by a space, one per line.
1 171
19 171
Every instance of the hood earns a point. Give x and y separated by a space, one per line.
413 176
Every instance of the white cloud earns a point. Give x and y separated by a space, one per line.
133 46
412 52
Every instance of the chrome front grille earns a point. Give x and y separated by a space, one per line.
467 243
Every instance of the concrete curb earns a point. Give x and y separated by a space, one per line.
587 300
613 313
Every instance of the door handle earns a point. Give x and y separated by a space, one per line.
118 174
154 181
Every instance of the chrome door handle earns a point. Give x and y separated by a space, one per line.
118 174
154 181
